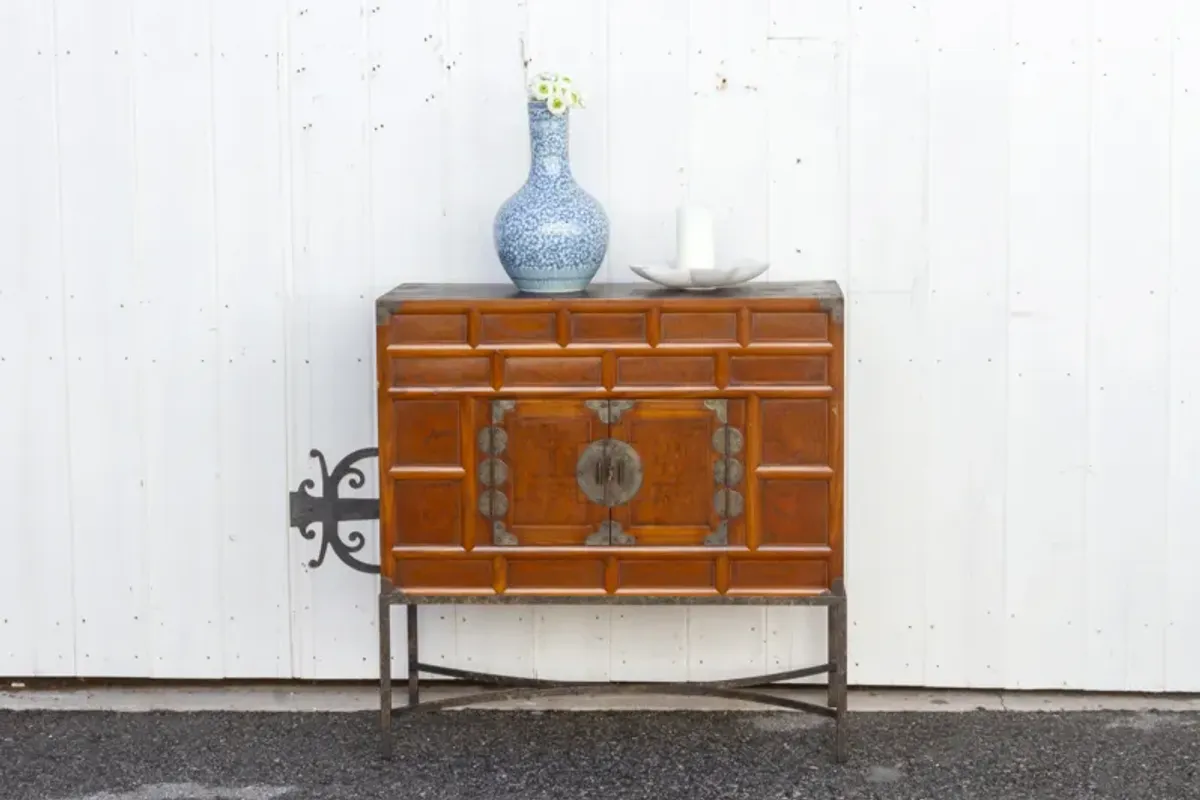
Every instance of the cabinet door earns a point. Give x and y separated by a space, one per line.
529 454
688 471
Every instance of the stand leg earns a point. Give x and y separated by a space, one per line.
838 679
414 673
385 674
831 618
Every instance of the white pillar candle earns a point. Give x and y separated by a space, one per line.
694 238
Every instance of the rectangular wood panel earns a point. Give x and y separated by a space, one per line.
668 575
788 326
458 371
607 328
432 575
535 449
778 370
429 512
698 326
794 512
666 371
795 432
425 433
676 448
575 372
544 574
416 329
516 328
757 575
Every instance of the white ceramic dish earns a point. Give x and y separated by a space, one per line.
700 280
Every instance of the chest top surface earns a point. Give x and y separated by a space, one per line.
827 294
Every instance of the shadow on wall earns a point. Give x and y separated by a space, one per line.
328 509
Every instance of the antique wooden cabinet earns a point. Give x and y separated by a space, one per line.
626 441
624 444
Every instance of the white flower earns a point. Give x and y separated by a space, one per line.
557 91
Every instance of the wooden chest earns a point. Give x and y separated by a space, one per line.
627 441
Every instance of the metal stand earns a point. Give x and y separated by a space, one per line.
513 688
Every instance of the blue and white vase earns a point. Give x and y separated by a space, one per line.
551 235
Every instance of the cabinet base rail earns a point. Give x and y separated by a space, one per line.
516 688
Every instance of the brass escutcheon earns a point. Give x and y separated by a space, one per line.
609 472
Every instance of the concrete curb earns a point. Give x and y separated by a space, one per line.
365 698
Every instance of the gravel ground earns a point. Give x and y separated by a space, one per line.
626 755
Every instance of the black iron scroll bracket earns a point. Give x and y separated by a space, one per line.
329 509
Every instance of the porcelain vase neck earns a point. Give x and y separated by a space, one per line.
548 145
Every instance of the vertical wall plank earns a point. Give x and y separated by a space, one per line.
888 370
331 327
408 102
1182 555
649 644
486 133
37 624
815 20
1128 374
176 255
887 513
807 160
968 319
106 344
251 228
572 642
727 122
888 145
1045 530
648 129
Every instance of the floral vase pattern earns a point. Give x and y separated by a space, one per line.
551 235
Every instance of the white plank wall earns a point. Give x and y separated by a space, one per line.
199 202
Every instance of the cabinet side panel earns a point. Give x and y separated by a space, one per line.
383 415
837 422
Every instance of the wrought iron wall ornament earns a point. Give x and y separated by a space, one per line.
328 509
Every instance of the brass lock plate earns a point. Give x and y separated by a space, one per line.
609 472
